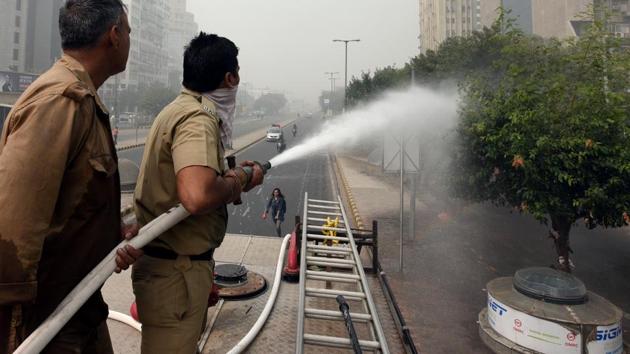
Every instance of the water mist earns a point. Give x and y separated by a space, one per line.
414 110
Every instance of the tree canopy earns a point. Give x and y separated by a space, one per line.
271 103
543 123
547 131
154 98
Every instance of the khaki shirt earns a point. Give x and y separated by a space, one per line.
59 191
186 133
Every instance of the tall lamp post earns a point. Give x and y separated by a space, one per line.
332 80
345 92
332 87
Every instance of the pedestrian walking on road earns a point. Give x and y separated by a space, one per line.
184 163
59 184
278 207
115 135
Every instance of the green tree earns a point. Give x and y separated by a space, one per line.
271 103
545 130
369 86
360 89
154 98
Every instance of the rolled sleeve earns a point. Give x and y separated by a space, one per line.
196 143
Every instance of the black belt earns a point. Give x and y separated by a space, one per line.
163 253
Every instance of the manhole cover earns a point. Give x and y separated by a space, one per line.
229 275
550 285
235 282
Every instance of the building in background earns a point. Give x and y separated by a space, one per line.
29 35
488 11
13 34
547 18
441 19
159 31
619 21
560 18
43 42
147 56
181 29
30 40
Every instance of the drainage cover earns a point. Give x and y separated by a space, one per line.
237 282
550 285
230 275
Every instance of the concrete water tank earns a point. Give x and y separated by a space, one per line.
543 310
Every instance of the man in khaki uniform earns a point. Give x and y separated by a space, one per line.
59 185
183 162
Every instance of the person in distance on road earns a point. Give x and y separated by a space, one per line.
278 207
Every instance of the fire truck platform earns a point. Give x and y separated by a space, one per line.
235 318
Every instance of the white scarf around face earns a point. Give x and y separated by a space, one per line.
224 100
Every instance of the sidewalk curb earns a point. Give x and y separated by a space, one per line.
358 221
132 146
128 209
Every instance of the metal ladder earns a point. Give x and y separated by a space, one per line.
342 266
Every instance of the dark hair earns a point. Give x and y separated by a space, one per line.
83 22
207 59
279 192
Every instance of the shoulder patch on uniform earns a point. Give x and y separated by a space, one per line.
77 91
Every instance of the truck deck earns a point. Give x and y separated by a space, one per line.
235 318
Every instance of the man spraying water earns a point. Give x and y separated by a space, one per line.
183 162
418 109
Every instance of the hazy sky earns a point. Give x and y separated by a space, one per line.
287 44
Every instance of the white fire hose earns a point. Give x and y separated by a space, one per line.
126 319
36 342
253 332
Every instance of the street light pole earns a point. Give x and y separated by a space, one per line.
332 86
332 80
345 95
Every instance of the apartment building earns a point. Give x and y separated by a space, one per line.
441 19
13 34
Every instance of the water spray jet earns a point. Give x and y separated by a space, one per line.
418 110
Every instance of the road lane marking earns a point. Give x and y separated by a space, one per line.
303 188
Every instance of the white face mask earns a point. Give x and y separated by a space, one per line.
224 100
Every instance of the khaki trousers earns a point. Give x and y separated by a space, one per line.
172 300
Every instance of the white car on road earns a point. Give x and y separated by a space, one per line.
274 134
